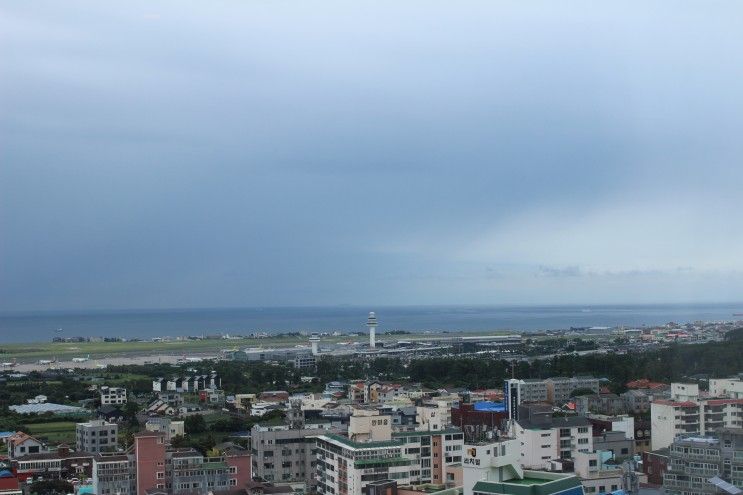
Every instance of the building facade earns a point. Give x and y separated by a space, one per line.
97 436
113 396
372 452
686 413
694 461
560 388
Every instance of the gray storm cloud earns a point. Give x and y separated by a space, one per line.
181 154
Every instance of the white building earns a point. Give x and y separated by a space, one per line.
543 437
96 436
113 396
371 452
493 468
726 387
686 413
597 473
170 427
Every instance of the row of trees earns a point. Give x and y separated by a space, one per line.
675 362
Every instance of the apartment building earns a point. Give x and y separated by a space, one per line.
61 463
158 467
702 465
636 401
517 392
372 452
113 396
543 437
560 388
493 468
113 475
726 387
304 361
686 413
96 436
597 472
282 454
171 428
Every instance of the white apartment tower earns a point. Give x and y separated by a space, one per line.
372 324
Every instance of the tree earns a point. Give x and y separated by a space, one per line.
581 391
194 424
51 487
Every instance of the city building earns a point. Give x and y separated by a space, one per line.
372 452
493 468
478 420
726 387
282 454
155 467
517 392
599 473
543 437
560 388
616 443
21 444
608 404
61 463
655 465
113 396
96 436
171 428
702 465
687 413
113 475
636 401
305 361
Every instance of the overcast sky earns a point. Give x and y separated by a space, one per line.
255 153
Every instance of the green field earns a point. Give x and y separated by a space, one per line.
55 433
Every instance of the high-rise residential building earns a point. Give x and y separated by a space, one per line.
97 436
282 454
372 452
151 466
711 464
687 413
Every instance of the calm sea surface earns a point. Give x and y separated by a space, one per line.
42 326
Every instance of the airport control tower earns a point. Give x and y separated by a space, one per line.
372 324
315 342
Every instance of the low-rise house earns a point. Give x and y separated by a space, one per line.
274 396
111 413
113 396
171 428
62 463
22 444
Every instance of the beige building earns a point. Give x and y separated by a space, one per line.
687 413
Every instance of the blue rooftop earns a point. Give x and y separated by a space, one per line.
488 406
